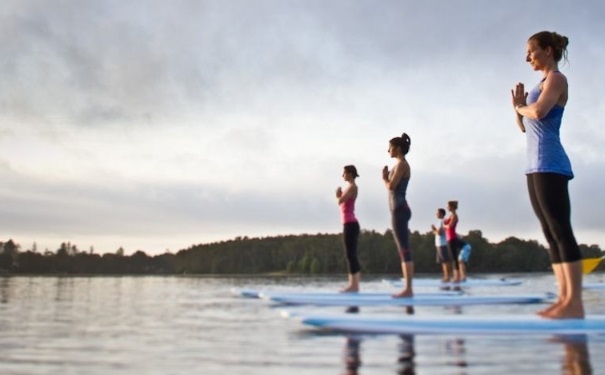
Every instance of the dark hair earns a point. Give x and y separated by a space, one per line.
351 169
441 211
402 142
453 204
551 39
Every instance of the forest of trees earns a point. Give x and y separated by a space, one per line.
294 254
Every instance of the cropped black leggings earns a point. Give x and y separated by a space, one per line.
400 218
549 198
454 245
351 236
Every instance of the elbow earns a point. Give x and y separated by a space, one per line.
539 114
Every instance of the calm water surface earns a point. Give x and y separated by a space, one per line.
182 325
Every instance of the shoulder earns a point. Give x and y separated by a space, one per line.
403 166
556 78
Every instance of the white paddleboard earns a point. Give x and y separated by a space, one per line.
417 300
462 284
246 293
451 324
355 295
593 285
267 294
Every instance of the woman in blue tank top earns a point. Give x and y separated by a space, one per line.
539 115
396 181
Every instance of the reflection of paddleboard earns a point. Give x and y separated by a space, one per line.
418 300
466 283
451 324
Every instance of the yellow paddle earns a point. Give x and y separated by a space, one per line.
589 264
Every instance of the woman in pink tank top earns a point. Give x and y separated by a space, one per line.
454 244
346 201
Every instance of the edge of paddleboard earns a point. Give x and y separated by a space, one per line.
450 324
593 286
462 284
268 294
275 295
417 300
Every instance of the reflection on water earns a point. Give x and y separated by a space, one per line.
405 361
178 325
4 289
405 350
352 356
405 355
576 359
455 348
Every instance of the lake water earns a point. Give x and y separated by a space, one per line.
183 325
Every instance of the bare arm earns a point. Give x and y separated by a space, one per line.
436 230
519 99
350 192
402 170
554 91
520 122
452 221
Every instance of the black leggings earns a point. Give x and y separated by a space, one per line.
351 236
454 246
550 200
400 219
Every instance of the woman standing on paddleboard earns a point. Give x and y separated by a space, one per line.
539 114
396 181
346 201
454 244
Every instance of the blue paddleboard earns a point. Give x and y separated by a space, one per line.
267 294
351 299
275 295
451 324
593 286
466 283
246 293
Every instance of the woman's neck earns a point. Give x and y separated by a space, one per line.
554 67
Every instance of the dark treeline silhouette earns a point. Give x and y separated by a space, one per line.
296 254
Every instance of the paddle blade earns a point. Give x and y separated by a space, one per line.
589 265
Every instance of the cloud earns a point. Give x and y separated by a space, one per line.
161 124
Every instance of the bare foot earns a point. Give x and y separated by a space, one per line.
566 311
349 289
547 310
445 280
403 294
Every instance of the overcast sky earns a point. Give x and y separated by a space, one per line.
154 125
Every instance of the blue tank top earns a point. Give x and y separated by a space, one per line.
545 153
397 196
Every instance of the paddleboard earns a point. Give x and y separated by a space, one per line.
451 324
462 284
593 286
337 295
246 293
417 300
252 293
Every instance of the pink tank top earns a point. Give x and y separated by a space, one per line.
347 211
450 231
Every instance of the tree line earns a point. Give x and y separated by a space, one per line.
293 254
